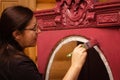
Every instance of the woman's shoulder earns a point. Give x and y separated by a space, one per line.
20 57
15 56
21 67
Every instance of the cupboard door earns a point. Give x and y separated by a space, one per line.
3 5
0 7
28 3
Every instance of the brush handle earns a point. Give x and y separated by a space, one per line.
86 45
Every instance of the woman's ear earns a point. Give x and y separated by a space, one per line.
16 34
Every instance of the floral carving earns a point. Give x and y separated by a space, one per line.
69 14
74 12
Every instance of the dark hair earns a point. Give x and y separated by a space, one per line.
13 18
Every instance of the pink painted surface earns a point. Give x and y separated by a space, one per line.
108 39
99 21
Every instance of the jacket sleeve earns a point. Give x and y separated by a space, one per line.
25 69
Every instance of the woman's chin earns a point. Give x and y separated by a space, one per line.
32 45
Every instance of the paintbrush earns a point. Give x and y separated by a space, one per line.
86 45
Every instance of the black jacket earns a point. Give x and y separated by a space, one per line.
15 65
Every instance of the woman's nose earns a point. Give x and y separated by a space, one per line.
38 30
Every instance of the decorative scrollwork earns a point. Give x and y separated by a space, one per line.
74 12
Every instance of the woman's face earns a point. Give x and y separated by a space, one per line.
29 35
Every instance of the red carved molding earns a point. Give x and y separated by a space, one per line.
70 14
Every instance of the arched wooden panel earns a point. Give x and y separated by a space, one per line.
96 66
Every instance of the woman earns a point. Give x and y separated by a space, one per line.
19 30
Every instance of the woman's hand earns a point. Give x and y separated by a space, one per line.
79 56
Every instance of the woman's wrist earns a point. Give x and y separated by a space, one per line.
76 66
